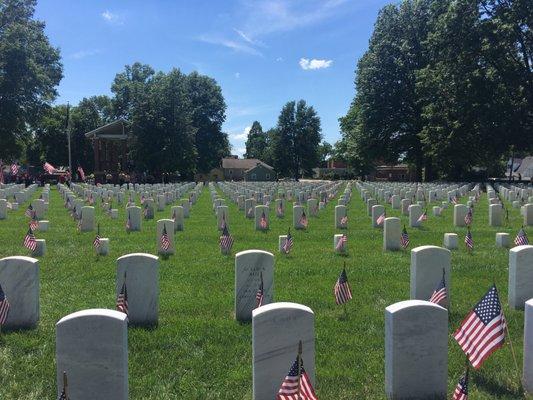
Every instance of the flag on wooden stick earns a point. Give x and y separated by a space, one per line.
297 385
482 332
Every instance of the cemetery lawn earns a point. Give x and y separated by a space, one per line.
198 350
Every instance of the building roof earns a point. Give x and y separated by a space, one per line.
260 165
526 167
246 163
113 130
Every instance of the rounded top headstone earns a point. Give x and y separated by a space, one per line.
408 304
245 252
94 312
280 305
524 247
20 258
131 255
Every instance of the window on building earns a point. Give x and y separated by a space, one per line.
267 176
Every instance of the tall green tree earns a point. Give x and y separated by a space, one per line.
208 114
89 114
256 142
294 143
30 70
50 138
384 121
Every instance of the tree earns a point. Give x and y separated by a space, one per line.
294 142
208 114
50 141
325 151
256 143
89 114
30 70
163 134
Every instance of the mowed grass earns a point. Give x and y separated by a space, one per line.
198 350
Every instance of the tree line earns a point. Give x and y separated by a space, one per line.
445 86
293 147
175 119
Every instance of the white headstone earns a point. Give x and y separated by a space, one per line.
427 265
134 215
92 348
520 276
416 350
391 234
176 213
527 377
415 211
250 265
19 277
168 224
495 215
340 213
459 214
142 284
277 329
87 219
451 241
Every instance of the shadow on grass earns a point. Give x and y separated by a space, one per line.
496 388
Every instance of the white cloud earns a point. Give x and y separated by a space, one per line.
270 16
240 151
314 63
84 53
241 136
279 59
230 44
112 18
237 75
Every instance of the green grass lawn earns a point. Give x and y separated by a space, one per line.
198 350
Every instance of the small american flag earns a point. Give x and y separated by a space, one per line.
404 238
145 212
96 241
263 221
30 212
226 240
344 220
461 390
49 168
296 385
14 169
482 332
142 199
260 295
122 299
468 217
34 224
81 172
521 239
91 199
423 217
287 245
128 223
469 242
29 240
165 241
342 289
381 219
250 211
303 220
440 293
4 307
342 243
454 200
279 210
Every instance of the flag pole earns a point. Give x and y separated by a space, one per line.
510 341
65 384
299 361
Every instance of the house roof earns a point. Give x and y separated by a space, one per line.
246 163
260 165
113 130
526 167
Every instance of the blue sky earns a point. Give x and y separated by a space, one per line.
262 53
